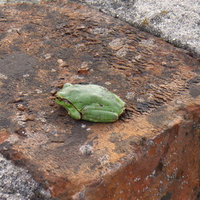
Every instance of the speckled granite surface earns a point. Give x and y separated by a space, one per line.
175 21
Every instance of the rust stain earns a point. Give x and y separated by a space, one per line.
3 135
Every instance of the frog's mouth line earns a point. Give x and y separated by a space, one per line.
67 102
64 100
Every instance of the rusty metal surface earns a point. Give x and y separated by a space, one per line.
44 46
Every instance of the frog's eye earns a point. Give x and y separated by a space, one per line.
63 100
60 98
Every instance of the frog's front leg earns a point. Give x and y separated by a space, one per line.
72 111
98 113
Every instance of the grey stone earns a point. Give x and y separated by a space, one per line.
177 22
17 184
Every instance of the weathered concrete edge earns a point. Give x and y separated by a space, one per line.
168 140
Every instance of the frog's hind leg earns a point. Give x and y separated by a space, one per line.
96 113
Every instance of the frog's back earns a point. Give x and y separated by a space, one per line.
82 95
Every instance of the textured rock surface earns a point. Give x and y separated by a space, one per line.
16 183
175 21
151 151
20 1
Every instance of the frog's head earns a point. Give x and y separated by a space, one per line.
59 98
61 101
66 85
60 95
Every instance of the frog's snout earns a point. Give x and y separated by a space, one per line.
58 98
